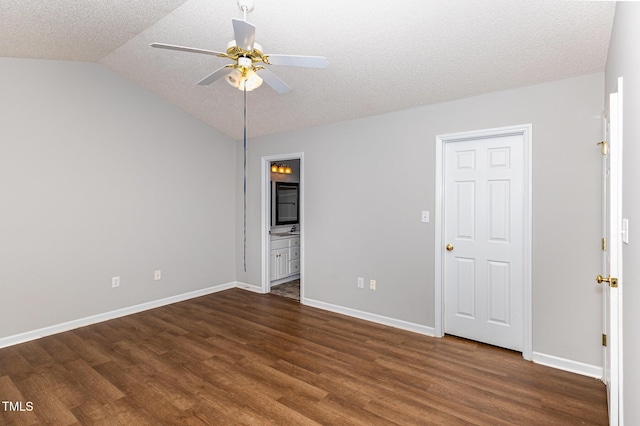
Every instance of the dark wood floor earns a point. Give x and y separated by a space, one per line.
238 357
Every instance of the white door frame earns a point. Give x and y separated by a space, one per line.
266 217
524 130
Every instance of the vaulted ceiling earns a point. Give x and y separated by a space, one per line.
383 56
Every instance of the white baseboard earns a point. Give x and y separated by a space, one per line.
249 287
379 319
539 358
568 365
94 319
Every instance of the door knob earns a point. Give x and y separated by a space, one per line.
449 247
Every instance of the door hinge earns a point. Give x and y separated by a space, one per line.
604 339
604 244
605 151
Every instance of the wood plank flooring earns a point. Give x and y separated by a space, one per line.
237 357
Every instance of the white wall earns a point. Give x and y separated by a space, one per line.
99 178
624 61
367 180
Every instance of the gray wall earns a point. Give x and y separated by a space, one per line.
99 178
624 61
362 217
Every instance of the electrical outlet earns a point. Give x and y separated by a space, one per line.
360 282
115 282
372 284
157 274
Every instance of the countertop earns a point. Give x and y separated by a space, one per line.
281 235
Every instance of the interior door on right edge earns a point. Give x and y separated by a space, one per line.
483 222
612 262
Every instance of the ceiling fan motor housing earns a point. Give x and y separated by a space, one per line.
245 63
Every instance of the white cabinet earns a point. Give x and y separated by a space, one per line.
279 264
285 258
294 257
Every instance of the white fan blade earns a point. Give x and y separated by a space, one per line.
220 72
185 49
245 34
274 81
298 61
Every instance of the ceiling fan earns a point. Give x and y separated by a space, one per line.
245 74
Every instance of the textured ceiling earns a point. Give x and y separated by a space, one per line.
383 56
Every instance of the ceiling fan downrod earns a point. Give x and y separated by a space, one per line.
245 6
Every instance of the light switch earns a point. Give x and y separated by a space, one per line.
425 216
625 231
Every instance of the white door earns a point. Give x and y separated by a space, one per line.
483 232
612 264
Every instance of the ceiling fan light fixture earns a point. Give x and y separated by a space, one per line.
247 77
233 78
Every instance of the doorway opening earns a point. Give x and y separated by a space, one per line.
283 225
484 177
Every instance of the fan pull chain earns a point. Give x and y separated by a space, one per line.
245 178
